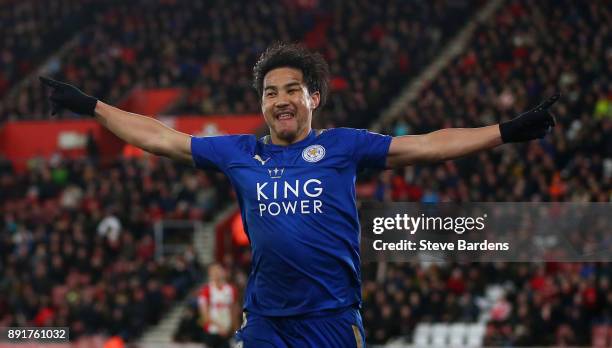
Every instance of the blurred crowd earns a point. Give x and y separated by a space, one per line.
514 61
399 296
552 304
31 30
209 48
77 247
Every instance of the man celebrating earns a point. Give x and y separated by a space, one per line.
296 190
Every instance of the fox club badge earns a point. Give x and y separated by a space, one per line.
313 153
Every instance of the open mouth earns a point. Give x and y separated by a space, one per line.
285 115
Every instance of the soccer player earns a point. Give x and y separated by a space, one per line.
296 191
218 308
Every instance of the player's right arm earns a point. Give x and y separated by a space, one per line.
141 131
145 132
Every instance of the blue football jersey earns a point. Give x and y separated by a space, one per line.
299 211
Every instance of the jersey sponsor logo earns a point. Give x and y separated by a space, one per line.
262 161
286 197
313 153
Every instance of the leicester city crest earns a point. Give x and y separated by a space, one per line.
313 153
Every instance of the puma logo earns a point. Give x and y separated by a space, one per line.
257 157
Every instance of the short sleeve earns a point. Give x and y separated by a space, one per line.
371 148
214 152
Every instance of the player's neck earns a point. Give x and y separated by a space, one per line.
284 142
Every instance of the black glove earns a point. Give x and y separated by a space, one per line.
67 96
533 124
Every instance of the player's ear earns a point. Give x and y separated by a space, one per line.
315 99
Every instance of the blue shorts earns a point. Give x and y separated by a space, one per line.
340 328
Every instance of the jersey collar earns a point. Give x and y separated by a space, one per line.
267 142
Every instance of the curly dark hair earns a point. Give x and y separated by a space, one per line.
312 64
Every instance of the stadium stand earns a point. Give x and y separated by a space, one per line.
32 30
77 247
210 49
514 59
508 66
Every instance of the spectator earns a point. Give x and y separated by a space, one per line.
218 307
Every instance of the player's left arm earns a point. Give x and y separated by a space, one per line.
451 143
441 145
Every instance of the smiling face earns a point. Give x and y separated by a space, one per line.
287 105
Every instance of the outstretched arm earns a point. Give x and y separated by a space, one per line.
441 145
145 132
452 143
138 130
